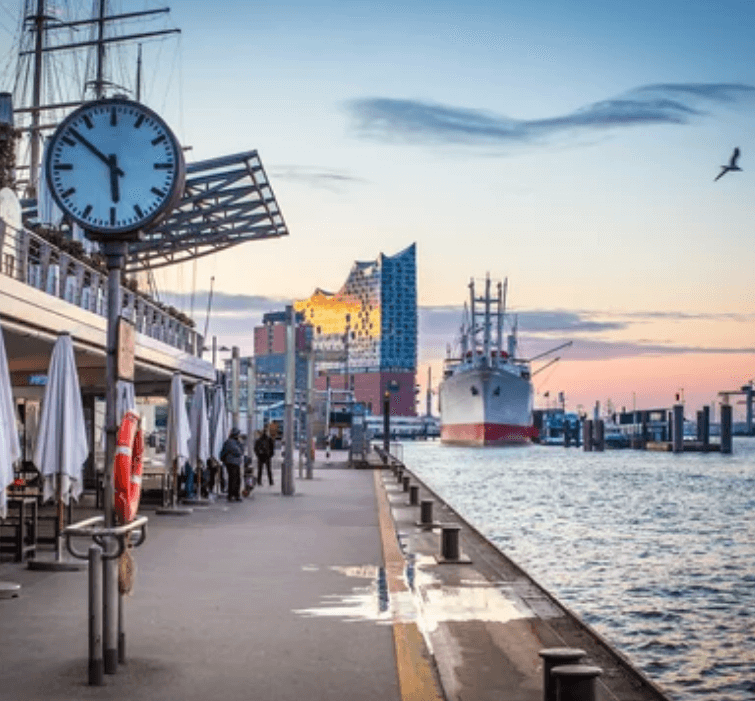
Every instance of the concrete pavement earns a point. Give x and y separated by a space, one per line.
225 606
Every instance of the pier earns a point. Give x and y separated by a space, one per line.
336 592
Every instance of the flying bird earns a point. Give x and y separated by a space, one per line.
732 165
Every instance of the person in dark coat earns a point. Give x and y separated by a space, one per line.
232 455
264 448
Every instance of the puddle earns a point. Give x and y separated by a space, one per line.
426 601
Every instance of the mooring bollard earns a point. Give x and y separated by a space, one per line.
426 512
406 481
556 657
576 682
449 542
96 663
413 495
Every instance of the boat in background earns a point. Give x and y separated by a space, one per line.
486 393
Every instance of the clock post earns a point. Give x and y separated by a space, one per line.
115 168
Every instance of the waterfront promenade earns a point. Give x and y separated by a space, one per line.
333 593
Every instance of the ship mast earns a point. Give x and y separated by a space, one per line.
486 326
43 26
499 326
39 21
473 324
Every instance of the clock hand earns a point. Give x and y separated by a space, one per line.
94 150
114 171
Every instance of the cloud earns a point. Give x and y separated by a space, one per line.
419 122
234 317
541 330
324 179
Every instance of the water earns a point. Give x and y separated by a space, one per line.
656 551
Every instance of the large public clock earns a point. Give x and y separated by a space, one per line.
115 167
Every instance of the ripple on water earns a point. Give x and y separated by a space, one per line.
668 541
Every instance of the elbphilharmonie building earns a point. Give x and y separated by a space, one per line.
365 335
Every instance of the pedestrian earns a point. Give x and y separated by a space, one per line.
231 455
264 448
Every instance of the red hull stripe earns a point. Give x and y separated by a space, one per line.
486 434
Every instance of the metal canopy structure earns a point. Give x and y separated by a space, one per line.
226 201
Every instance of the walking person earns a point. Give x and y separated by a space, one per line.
264 448
232 455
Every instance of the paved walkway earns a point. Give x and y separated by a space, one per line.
226 606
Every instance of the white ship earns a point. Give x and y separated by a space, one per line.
486 393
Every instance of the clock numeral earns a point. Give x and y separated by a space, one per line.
87 211
63 166
138 211
112 216
163 166
88 122
159 193
113 117
68 192
139 121
68 140
158 140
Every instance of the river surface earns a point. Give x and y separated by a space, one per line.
656 551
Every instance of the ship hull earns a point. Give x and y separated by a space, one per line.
486 406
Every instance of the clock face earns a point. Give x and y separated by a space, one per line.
115 167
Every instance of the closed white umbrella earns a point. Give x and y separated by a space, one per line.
178 430
10 449
178 433
220 424
61 447
199 446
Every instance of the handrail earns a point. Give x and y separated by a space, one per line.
100 535
33 260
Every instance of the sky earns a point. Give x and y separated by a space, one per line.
570 147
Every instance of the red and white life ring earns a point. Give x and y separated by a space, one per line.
127 467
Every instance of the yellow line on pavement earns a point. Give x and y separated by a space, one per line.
414 665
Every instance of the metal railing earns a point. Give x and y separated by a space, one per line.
35 261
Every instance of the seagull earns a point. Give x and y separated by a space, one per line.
732 165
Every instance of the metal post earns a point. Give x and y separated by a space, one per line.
121 629
387 422
115 253
310 410
726 428
235 382
110 614
587 435
96 667
678 427
706 426
287 475
251 406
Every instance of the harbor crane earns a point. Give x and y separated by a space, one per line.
748 391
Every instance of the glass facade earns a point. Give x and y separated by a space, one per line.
370 324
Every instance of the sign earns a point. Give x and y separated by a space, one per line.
126 349
37 380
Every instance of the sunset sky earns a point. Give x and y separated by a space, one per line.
569 146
